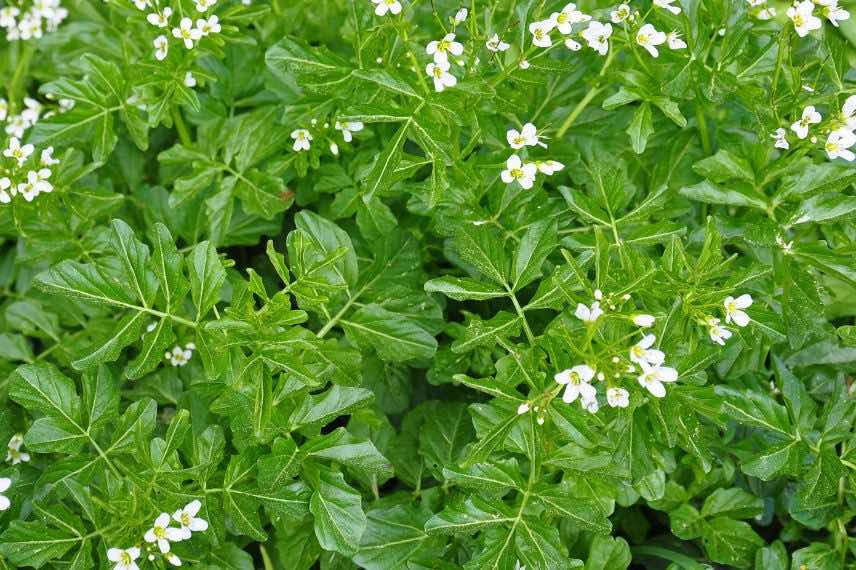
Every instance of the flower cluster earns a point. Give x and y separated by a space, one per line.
438 70
31 23
17 124
14 455
734 313
303 137
840 131
804 19
186 31
524 172
162 534
29 181
643 361
180 356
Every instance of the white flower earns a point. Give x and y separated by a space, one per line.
163 534
5 503
620 14
541 33
203 5
524 174
186 32
179 356
590 404
803 19
334 148
5 184
209 26
838 144
648 37
577 383
35 185
522 408
32 112
642 351
848 112
442 48
461 16
567 17
767 13
18 152
644 321
527 136
667 4
733 309
16 126
524 64
833 12
548 167
172 559
349 127
384 6
781 140
124 559
618 397
597 35
8 15
14 455
189 80
717 333
301 139
188 520
673 39
495 44
439 72
161 20
573 45
46 158
809 117
588 314
652 378
161 47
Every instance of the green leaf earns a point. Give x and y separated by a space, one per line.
731 542
395 338
640 128
724 166
394 536
206 277
710 193
478 246
464 288
466 517
536 244
339 518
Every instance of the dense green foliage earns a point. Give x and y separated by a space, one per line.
573 287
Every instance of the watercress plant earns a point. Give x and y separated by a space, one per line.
428 284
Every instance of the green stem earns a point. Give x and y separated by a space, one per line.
592 93
702 130
181 127
529 336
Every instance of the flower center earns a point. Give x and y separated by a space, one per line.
575 379
516 173
438 73
563 17
519 139
185 519
832 147
798 20
443 45
643 38
732 307
160 531
126 558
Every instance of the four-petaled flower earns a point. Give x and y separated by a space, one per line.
161 47
527 136
439 72
14 455
618 397
644 321
18 152
588 314
301 137
734 309
718 333
577 383
833 12
495 44
838 145
780 139
548 167
568 17
620 14
440 48
541 33
349 127
124 558
209 26
524 174
186 32
384 6
810 116
667 4
648 37
642 351
674 41
188 520
597 35
162 534
803 18
160 19
654 375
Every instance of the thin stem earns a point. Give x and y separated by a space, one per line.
529 336
181 127
592 93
